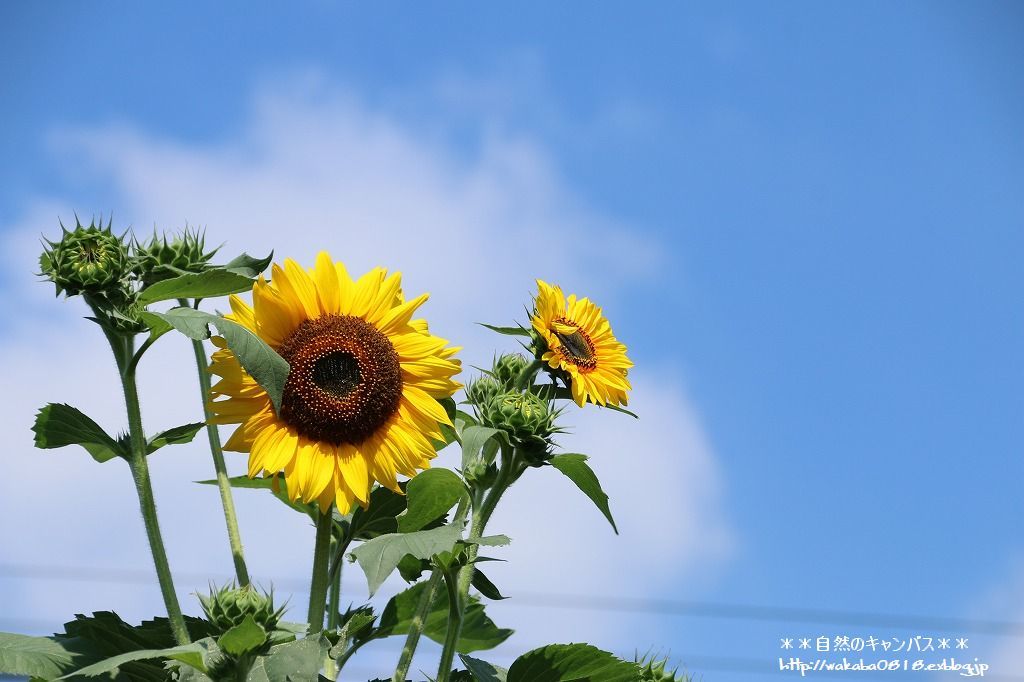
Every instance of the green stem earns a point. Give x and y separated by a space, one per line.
318 583
334 599
451 639
419 619
227 501
140 472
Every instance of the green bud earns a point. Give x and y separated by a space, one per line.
481 391
160 258
227 607
528 420
86 260
653 670
507 369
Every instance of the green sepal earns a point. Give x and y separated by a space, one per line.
245 637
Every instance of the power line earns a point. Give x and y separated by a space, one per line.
546 600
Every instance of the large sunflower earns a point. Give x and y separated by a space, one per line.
360 402
579 342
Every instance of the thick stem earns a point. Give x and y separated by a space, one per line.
451 639
419 619
223 484
140 472
318 583
334 598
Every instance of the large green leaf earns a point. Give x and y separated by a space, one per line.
244 637
474 442
297 661
430 494
378 518
482 671
478 631
58 425
179 435
262 363
575 467
247 265
194 654
206 284
380 556
572 663
45 657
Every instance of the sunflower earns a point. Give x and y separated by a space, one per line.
361 400
578 342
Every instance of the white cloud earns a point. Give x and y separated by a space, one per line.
314 168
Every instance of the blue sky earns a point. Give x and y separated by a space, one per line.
820 211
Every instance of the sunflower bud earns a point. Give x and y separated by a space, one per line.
481 391
653 670
86 260
508 368
161 258
528 420
227 607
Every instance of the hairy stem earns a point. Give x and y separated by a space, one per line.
144 488
227 500
319 582
451 639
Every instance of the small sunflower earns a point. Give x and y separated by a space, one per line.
578 342
361 400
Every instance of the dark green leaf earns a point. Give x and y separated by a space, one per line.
355 626
247 266
58 425
379 516
482 671
482 583
575 467
207 284
45 657
572 663
244 637
474 438
279 490
194 655
380 556
179 435
262 363
507 331
478 631
411 568
430 494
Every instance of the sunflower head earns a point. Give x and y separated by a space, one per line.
576 341
360 404
162 258
528 420
228 606
86 260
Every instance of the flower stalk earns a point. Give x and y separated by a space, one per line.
321 578
227 500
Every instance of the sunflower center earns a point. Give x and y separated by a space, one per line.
575 344
345 380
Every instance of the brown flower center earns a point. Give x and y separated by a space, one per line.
345 380
574 344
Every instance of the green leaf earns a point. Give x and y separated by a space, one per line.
478 631
45 657
244 637
247 266
572 663
297 661
507 331
474 438
280 493
355 625
179 435
484 585
575 467
379 516
380 556
157 326
194 655
207 284
58 425
430 494
482 671
262 363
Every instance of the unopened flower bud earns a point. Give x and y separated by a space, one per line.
86 260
